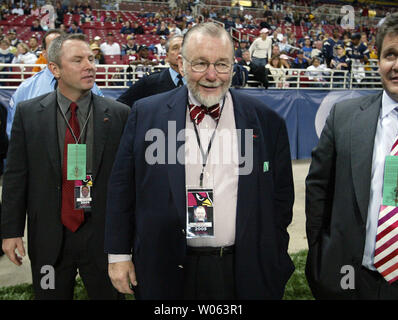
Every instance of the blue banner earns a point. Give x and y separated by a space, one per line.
305 111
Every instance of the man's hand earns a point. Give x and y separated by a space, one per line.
121 275
9 246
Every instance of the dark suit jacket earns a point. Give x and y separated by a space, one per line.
146 208
149 85
33 177
337 197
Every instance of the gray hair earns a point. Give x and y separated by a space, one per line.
55 49
177 36
207 28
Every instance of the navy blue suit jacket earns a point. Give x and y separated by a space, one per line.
146 203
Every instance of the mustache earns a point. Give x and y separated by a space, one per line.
209 84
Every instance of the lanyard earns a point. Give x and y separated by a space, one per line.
70 128
206 155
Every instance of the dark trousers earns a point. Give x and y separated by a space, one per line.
372 286
209 277
75 257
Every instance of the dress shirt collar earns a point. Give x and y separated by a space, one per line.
83 103
174 74
388 104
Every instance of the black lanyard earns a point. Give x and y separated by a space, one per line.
206 155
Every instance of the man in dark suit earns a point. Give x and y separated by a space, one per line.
260 74
351 228
199 226
60 142
3 148
157 82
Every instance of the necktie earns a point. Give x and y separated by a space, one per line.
180 83
197 113
386 252
70 217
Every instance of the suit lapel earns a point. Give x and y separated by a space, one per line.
173 123
364 126
48 119
102 123
247 183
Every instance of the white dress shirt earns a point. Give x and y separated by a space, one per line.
386 134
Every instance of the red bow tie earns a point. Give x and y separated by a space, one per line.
197 113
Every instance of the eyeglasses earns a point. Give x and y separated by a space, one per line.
202 66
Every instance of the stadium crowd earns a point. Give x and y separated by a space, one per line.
279 35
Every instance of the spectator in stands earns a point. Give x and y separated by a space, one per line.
17 10
275 50
5 57
34 46
87 16
98 55
74 28
97 40
137 28
129 48
340 61
143 56
157 82
110 47
5 54
174 29
261 48
300 62
243 45
35 10
329 45
43 55
358 53
264 23
277 70
127 28
318 52
24 55
40 83
284 46
36 25
188 26
318 73
307 48
238 24
12 36
260 74
160 49
162 29
277 35
60 11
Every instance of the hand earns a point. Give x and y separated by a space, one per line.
9 246
121 275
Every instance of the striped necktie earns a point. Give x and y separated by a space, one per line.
386 252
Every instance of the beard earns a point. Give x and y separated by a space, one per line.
207 100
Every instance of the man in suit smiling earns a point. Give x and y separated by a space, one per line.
351 218
156 248
61 141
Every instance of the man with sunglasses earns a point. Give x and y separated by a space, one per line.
201 147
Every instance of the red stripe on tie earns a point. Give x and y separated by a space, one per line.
394 145
386 258
386 230
386 245
387 216
393 280
386 272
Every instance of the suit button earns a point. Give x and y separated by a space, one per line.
183 231
181 266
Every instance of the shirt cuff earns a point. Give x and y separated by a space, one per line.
113 258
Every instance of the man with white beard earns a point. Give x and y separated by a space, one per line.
156 249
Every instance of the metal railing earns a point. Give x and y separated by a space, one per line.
123 76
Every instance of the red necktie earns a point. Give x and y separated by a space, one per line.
197 113
70 217
386 253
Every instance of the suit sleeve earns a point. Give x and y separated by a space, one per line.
121 194
14 195
320 183
137 91
284 187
